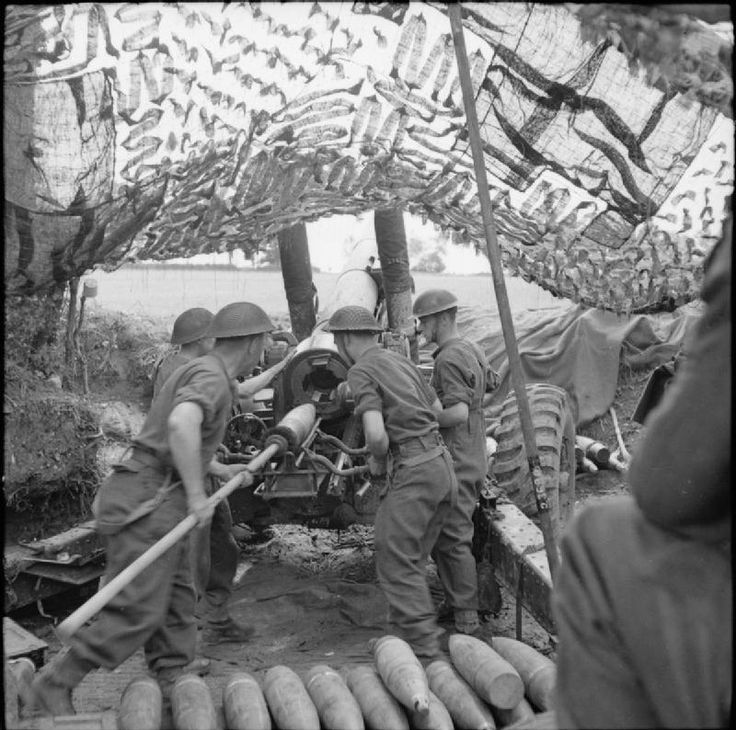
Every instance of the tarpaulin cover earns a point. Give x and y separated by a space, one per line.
578 349
161 130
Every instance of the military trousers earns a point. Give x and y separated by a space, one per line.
410 515
215 556
156 609
644 620
453 551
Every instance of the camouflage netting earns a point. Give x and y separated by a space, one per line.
155 131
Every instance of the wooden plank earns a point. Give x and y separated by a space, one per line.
18 642
517 548
73 575
80 540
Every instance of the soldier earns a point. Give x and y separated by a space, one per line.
189 334
214 549
398 411
149 493
643 600
460 380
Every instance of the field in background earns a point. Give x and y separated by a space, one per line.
162 291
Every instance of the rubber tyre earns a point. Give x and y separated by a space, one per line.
554 428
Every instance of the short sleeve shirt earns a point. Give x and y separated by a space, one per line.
170 363
204 381
387 382
459 374
459 377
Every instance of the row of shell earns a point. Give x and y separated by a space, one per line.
483 687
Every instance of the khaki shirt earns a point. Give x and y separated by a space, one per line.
204 381
459 376
385 381
167 366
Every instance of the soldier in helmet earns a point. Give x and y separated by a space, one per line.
149 492
214 549
190 334
398 411
460 379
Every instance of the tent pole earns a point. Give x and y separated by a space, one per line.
502 300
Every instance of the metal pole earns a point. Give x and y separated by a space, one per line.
499 285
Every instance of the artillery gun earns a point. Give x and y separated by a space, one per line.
324 481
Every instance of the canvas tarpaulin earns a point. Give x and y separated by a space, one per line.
162 130
578 349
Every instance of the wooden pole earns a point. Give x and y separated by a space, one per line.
79 353
499 285
71 320
67 628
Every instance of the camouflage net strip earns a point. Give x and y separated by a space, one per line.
153 131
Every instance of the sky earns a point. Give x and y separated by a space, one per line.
327 256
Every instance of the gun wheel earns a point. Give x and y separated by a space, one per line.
554 428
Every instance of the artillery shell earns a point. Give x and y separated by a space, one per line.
289 700
541 721
381 710
10 697
538 673
337 708
522 711
244 704
23 670
140 705
489 674
401 672
465 707
191 704
436 718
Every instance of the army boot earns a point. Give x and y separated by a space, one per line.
225 631
219 627
51 690
469 623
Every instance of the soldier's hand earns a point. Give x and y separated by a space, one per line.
200 507
223 451
377 466
232 470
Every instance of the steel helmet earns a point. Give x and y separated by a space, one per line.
191 326
353 319
240 319
433 301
